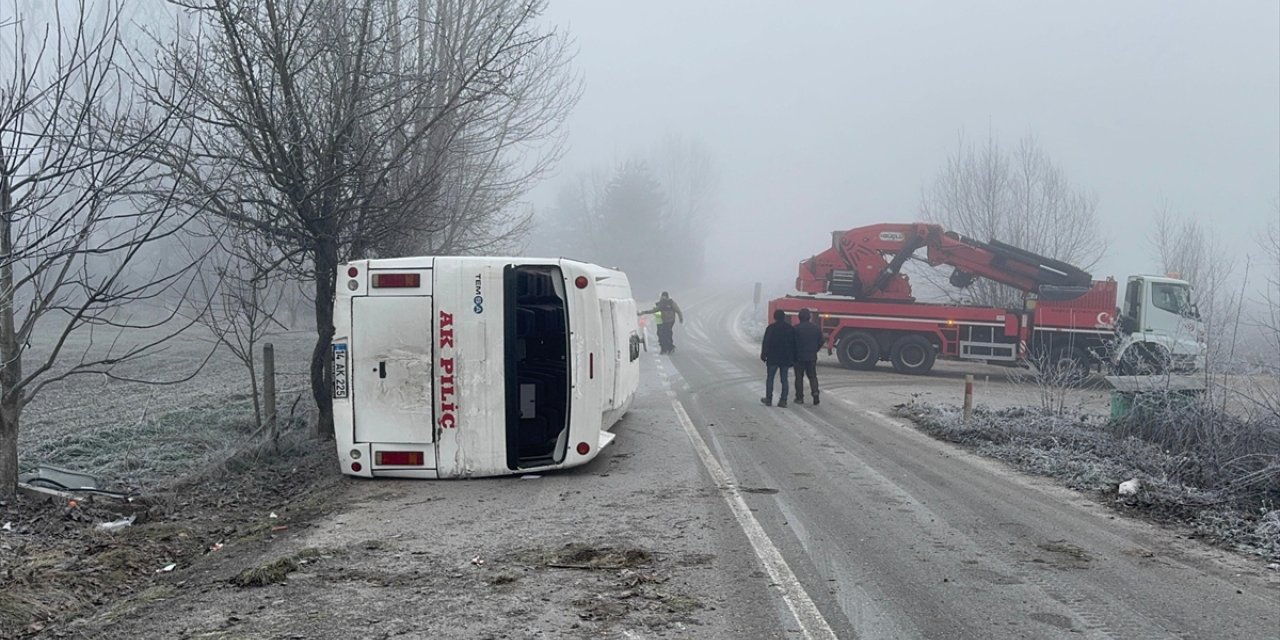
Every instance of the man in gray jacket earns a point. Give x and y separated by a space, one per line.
808 342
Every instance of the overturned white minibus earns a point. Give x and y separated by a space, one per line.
448 367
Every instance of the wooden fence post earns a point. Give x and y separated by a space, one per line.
968 398
269 392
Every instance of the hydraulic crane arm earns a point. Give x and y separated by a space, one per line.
866 263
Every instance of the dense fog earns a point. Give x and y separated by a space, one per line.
829 115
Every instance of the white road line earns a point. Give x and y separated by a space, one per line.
740 336
802 607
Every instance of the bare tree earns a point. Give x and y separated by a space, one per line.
573 225
1022 198
650 214
336 129
483 154
1187 251
1264 388
1270 320
689 181
73 224
237 297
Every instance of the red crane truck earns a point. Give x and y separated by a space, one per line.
867 313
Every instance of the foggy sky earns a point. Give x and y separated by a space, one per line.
830 115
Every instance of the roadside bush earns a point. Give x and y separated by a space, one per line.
1236 459
1217 473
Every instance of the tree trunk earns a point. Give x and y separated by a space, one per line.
326 263
8 451
10 351
253 387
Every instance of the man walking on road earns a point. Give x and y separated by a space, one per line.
778 351
666 311
808 341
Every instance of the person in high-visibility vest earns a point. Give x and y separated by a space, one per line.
665 313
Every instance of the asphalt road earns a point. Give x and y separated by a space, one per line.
890 534
745 522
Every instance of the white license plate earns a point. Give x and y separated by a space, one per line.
339 370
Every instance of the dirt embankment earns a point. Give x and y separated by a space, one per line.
57 564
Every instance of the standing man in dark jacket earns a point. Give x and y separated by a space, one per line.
808 341
778 351
667 312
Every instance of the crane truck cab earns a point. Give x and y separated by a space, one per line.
1160 328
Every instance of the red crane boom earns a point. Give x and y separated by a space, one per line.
866 263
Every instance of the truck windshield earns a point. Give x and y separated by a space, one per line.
1174 298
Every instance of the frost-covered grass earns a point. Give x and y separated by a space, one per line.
139 435
154 449
1217 473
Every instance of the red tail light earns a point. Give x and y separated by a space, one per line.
581 282
353 272
396 280
583 448
355 466
399 458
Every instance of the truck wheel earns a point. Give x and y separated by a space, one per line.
1068 365
912 354
1139 360
859 350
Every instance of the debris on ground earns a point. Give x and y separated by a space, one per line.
59 565
1130 487
272 572
583 556
116 525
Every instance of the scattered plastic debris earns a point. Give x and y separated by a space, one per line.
8 526
116 525
478 561
280 527
217 546
167 568
1274 566
1130 487
273 515
59 479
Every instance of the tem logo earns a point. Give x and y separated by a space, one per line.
479 299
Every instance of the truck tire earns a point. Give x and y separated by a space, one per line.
912 354
858 350
1143 360
1068 365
